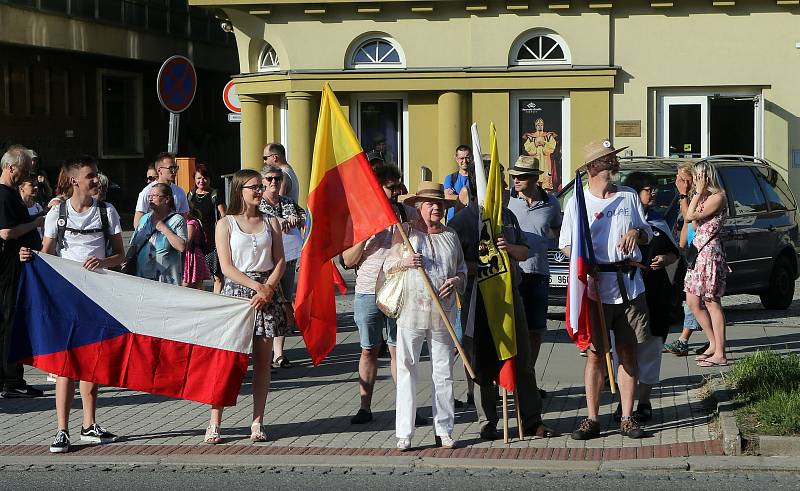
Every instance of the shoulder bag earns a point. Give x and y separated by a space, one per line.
692 252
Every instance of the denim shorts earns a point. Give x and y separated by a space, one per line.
689 320
534 289
371 322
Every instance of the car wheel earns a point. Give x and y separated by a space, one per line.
779 294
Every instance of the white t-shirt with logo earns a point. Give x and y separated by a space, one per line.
181 203
609 220
80 246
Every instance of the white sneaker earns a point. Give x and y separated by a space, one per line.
446 442
403 444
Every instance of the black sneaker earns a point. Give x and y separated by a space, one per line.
60 442
631 428
26 391
97 434
587 430
490 432
361 417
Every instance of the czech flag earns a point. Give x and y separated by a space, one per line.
581 267
124 331
346 205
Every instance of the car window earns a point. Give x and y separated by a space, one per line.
744 194
664 199
776 190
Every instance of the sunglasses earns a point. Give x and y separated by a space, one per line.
172 168
256 188
273 178
266 157
151 178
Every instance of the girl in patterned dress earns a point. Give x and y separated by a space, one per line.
250 249
705 283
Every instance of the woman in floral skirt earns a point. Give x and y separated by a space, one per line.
705 282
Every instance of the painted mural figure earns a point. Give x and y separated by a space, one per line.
542 144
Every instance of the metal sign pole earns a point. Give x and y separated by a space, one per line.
174 122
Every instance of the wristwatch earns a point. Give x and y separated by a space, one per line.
683 196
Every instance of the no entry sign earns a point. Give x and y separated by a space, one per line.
176 84
231 98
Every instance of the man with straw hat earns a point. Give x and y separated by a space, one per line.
539 214
617 226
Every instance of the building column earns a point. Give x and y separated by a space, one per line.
253 129
450 112
300 145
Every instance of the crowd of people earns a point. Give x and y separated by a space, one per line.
250 249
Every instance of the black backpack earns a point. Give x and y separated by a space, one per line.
62 226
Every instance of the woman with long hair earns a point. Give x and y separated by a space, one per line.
211 208
705 281
195 266
250 250
161 237
63 188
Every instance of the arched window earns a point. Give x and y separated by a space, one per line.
377 53
541 49
268 59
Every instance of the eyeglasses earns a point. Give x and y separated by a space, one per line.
256 188
523 177
273 178
172 168
650 190
266 157
151 178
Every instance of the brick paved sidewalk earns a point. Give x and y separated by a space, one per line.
309 409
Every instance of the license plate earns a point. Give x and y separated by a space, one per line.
558 279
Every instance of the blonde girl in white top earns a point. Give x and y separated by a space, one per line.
250 250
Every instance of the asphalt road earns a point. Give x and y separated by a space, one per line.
158 478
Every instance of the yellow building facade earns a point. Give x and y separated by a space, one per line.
666 78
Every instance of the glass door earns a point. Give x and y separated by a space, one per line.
684 126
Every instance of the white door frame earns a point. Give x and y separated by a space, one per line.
566 128
670 100
355 102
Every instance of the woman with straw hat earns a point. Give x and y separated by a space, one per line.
438 252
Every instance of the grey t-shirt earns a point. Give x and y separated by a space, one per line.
536 221
294 190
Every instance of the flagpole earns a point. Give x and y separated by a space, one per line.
505 416
606 348
520 427
438 303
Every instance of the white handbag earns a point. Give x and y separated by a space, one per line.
390 294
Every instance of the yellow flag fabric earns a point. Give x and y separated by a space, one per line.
494 270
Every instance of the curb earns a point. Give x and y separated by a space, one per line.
288 463
779 445
732 443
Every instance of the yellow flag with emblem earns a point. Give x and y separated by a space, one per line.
494 268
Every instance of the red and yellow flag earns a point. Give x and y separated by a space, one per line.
346 205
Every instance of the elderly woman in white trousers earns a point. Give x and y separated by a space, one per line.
439 252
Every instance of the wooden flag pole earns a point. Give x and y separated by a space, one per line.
606 345
520 428
435 296
505 416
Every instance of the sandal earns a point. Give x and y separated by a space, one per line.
282 362
257 433
212 435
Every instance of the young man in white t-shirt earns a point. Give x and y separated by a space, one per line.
617 227
166 170
84 240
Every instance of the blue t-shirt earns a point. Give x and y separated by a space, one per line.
690 235
461 181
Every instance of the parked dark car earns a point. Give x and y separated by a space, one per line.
760 236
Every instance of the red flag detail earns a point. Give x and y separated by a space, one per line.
507 377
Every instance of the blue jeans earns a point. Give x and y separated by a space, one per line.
534 289
371 322
689 320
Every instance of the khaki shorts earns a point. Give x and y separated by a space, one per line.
630 322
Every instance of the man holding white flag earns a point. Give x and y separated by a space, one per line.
617 226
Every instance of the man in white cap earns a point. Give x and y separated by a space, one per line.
617 227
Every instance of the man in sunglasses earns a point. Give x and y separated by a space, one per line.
166 170
275 154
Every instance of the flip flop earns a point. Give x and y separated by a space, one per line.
701 357
710 364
